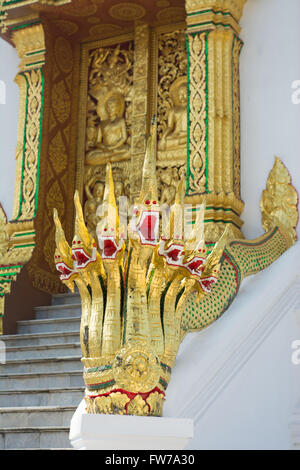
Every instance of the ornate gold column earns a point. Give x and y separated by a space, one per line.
18 235
213 153
30 44
139 105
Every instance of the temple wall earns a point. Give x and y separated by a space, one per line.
269 120
9 62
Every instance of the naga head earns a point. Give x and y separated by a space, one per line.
63 255
144 226
84 247
110 234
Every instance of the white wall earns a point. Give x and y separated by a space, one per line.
8 125
270 122
236 379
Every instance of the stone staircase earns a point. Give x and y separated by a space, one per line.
41 382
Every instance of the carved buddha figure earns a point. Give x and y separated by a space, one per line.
168 189
175 134
111 139
95 198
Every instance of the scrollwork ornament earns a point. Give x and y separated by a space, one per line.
197 113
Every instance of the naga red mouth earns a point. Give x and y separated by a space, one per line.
207 283
81 258
195 264
65 271
174 254
109 248
148 227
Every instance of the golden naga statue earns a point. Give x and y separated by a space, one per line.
136 309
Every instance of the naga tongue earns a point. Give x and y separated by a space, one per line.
64 270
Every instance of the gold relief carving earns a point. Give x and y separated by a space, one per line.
155 402
55 199
172 143
61 101
113 404
127 11
236 116
136 368
168 179
57 161
94 190
31 145
13 254
29 40
279 201
63 54
108 116
119 403
57 153
235 7
30 82
111 137
173 14
172 99
67 27
22 84
137 407
94 182
139 105
103 30
197 113
3 233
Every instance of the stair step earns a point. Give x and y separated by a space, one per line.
58 311
44 351
49 325
42 380
39 437
40 339
41 383
11 417
39 366
62 299
68 396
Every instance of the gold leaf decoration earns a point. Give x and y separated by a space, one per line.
57 153
279 201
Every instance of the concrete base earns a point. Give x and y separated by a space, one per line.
114 432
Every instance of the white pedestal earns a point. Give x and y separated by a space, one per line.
295 428
114 432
